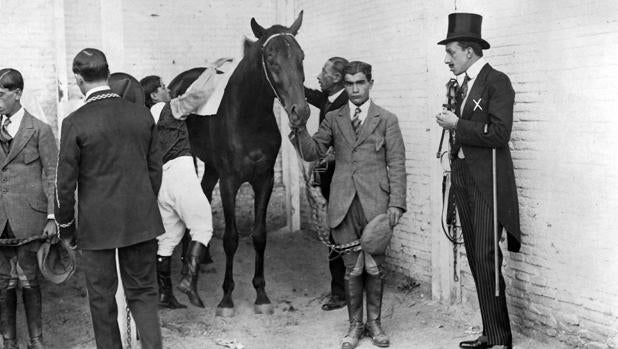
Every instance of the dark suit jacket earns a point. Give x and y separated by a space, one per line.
371 166
109 150
318 99
27 178
488 126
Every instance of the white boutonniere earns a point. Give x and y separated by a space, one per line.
477 104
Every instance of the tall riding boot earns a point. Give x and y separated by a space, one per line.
164 278
374 285
8 317
354 297
188 284
184 255
32 304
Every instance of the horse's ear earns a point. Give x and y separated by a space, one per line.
296 25
246 45
258 30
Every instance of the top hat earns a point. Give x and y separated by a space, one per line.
377 235
56 261
464 27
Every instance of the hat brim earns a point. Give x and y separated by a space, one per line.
484 44
48 271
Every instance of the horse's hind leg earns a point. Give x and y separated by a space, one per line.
262 187
209 180
228 187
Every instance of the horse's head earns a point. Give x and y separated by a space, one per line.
282 64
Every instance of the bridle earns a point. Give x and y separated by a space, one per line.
266 71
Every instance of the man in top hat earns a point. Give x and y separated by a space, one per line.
109 149
331 97
28 156
369 180
482 121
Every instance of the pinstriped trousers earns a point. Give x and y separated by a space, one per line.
476 217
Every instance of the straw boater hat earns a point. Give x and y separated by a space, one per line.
464 27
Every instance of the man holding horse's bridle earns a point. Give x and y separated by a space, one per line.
368 191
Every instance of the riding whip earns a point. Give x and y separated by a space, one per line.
495 214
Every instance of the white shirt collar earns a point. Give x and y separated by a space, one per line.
334 96
363 107
96 89
156 110
473 70
13 127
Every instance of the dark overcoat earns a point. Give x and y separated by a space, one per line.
109 151
486 122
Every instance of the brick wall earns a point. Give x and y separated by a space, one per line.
560 56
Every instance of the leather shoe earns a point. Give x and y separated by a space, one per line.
480 343
333 303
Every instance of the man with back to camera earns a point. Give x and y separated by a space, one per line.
109 149
369 182
482 121
28 158
331 97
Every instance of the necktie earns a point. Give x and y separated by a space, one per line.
356 122
461 93
5 136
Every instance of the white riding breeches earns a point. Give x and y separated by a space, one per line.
182 204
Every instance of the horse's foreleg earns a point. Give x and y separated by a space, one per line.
262 187
228 188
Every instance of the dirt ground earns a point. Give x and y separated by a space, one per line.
297 283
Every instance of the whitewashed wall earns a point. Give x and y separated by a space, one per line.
561 58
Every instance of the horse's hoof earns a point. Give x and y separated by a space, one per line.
267 309
225 312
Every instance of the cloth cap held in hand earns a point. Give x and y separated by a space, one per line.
377 235
56 261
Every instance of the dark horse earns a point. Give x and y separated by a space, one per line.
240 144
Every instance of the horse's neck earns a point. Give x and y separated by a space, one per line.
249 91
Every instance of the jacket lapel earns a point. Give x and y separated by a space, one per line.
476 92
345 124
370 124
24 133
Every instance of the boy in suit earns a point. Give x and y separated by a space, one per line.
369 180
28 171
